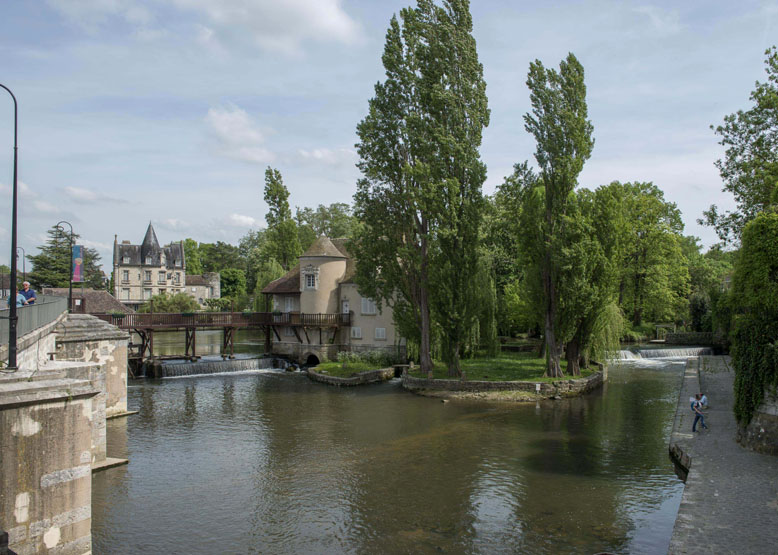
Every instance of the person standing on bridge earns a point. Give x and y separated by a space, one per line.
29 294
698 414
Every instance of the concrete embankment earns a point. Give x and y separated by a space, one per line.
362 378
505 391
730 501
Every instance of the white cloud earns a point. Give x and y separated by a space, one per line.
22 190
174 224
665 22
97 245
90 14
241 220
238 137
88 196
329 156
278 26
43 207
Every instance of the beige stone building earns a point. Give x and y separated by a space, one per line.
142 271
322 284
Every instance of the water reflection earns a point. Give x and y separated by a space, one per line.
275 463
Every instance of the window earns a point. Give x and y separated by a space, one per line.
146 294
161 277
288 331
368 306
148 260
125 260
147 275
177 281
210 291
178 263
125 275
288 304
380 333
126 294
356 332
310 281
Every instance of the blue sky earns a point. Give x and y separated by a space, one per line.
170 110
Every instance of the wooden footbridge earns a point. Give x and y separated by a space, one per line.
147 323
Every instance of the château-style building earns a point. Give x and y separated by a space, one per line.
142 271
326 312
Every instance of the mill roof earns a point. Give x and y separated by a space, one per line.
323 247
288 283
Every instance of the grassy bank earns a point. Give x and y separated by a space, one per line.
506 367
341 370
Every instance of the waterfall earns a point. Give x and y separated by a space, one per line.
676 353
628 355
219 366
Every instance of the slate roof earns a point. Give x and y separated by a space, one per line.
195 279
288 283
323 247
150 247
95 302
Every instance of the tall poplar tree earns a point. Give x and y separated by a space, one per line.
394 198
458 112
282 243
563 133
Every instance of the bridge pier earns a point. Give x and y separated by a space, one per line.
228 343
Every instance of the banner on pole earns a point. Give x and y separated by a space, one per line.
78 264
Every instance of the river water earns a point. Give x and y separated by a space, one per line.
270 462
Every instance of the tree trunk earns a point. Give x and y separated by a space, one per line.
454 367
573 356
425 356
553 367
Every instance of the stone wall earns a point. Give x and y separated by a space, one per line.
35 348
86 338
692 338
45 463
362 378
761 434
563 388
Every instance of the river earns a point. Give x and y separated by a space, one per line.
269 462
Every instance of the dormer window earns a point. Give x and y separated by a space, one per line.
125 260
148 260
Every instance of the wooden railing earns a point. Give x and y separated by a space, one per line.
159 320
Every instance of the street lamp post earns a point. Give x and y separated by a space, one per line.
12 317
70 255
24 263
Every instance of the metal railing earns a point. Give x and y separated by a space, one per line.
31 317
158 320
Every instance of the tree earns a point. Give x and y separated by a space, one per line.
251 246
176 303
457 114
755 339
335 220
563 134
283 243
51 268
194 265
233 282
750 164
420 195
217 256
393 197
654 280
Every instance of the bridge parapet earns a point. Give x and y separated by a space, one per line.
160 320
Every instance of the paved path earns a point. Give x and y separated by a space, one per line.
730 501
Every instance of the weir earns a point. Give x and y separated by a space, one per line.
680 352
176 369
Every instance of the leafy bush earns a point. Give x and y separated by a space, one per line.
380 359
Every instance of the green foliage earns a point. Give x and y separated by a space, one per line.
755 339
750 164
268 271
563 135
282 241
179 302
420 196
217 256
700 312
233 283
376 359
223 304
504 367
334 221
51 268
194 265
251 247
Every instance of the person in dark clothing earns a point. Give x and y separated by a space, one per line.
29 294
698 414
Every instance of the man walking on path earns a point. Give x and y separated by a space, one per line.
698 415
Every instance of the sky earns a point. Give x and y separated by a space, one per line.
169 111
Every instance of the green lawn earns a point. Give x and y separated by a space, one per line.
505 367
337 369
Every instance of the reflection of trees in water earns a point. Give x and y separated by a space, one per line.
209 342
